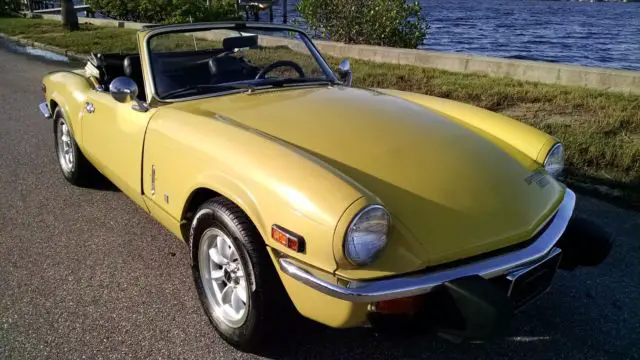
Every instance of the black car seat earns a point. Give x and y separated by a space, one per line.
133 69
229 69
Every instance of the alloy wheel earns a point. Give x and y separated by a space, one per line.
223 278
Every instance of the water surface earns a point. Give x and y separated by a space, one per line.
591 34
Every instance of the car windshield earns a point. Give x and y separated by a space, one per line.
187 64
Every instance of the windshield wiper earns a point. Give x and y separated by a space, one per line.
293 81
278 83
198 88
267 83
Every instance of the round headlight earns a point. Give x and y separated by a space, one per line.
367 235
554 163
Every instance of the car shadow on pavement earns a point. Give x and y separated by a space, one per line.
101 183
316 341
571 321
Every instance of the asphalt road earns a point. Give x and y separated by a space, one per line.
86 274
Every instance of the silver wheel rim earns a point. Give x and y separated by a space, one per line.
66 153
223 278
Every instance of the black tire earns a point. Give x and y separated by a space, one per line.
81 172
268 303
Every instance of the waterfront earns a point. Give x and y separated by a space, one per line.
591 34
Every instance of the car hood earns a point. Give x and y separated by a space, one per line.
455 190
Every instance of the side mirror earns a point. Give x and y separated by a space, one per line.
123 89
344 72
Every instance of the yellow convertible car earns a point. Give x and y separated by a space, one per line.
291 187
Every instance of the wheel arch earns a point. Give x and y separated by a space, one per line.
67 91
57 101
202 193
53 106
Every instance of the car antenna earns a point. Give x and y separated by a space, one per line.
195 44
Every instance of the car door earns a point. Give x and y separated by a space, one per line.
113 136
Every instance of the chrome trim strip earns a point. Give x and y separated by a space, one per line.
355 220
44 109
387 289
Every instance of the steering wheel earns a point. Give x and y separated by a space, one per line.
279 64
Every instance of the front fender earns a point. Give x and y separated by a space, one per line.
230 188
273 183
68 91
532 142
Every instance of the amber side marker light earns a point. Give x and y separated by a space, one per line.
288 238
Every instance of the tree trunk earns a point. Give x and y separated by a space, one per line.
285 11
69 16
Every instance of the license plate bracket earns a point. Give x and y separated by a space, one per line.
527 284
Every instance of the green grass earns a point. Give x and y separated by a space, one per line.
90 38
601 130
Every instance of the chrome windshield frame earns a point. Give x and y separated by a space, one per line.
145 52
416 284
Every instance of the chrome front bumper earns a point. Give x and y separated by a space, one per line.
44 109
399 287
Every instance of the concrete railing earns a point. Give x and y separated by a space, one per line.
538 71
58 10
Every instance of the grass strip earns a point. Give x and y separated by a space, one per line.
601 130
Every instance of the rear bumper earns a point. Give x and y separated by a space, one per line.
407 286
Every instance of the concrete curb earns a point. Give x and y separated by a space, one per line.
54 49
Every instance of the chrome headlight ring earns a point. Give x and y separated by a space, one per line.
554 162
366 236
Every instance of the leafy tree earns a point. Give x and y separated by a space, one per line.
69 16
395 23
10 7
166 11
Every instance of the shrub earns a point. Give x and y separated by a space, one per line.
393 23
10 7
166 11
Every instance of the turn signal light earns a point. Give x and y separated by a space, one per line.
287 238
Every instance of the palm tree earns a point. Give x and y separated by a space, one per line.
69 16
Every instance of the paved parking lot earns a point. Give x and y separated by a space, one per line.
86 274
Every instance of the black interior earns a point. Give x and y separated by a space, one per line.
175 70
133 69
110 66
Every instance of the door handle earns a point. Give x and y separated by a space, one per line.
90 108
